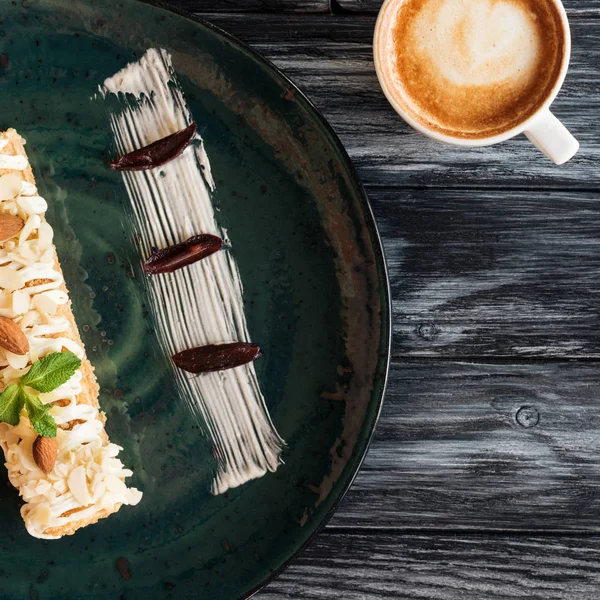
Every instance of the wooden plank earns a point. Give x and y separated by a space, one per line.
358 566
486 273
260 6
574 7
330 58
483 447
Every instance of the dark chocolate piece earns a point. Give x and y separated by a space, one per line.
156 154
217 357
180 255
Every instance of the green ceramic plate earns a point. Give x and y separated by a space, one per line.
316 296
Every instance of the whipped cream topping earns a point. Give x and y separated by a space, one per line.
87 476
203 303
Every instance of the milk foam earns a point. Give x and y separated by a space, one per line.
469 68
477 42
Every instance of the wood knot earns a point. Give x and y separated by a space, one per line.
528 417
427 331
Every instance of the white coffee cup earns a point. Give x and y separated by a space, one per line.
542 128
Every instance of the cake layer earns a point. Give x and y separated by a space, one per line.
87 482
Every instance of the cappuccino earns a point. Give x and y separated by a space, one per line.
470 68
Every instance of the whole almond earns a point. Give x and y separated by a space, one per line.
9 226
12 337
44 453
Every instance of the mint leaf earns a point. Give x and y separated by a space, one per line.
11 404
51 371
44 376
41 420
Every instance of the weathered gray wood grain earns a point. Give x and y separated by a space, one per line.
575 8
355 566
492 273
259 6
330 58
481 447
484 272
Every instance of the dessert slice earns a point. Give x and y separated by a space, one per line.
86 480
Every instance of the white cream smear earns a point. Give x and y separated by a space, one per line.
203 303
87 476
477 42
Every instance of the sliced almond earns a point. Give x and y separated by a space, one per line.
115 485
10 186
32 224
12 337
20 302
44 453
78 486
10 279
16 361
45 235
44 302
9 226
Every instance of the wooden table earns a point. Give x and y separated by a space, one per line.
483 480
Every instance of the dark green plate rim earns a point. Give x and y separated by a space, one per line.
370 223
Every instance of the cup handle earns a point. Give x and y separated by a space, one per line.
552 138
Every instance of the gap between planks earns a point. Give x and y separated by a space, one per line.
367 530
492 275
509 359
482 447
330 59
200 7
574 7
